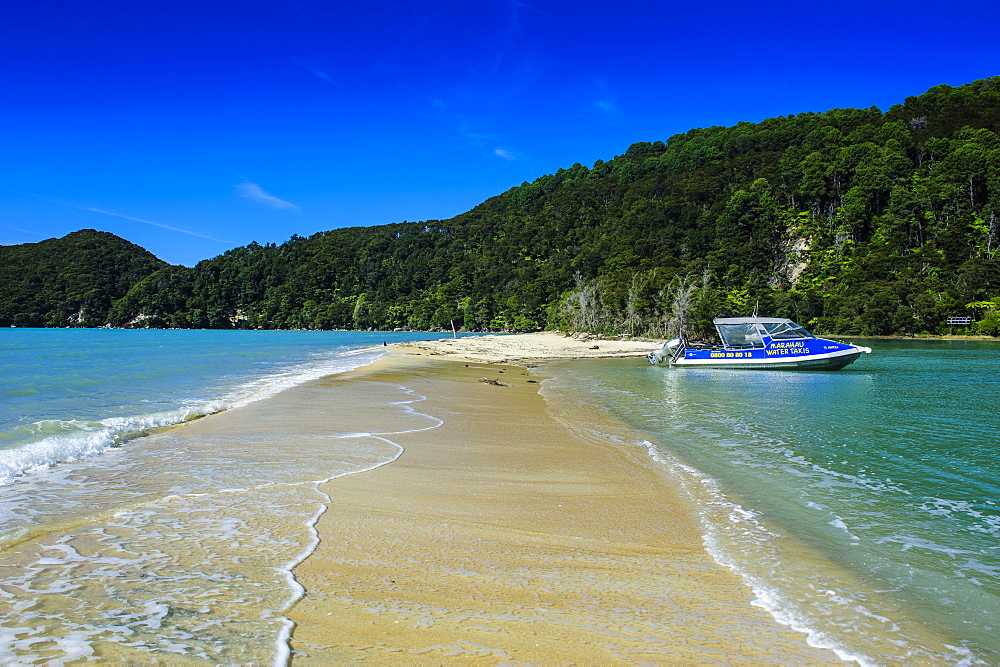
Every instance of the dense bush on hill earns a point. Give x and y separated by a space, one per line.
851 221
71 281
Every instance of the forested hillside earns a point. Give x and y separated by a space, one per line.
71 281
851 221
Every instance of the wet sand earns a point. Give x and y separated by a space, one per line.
504 535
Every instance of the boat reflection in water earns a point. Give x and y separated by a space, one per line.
757 343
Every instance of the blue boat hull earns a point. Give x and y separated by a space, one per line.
831 361
761 343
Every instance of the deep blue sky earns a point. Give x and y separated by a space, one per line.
194 127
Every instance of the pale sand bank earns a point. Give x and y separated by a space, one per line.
532 347
503 536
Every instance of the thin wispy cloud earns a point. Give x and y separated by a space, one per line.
606 106
323 75
30 232
605 97
469 125
258 194
6 238
318 73
510 37
470 135
154 224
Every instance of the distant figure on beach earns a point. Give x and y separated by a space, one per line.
384 344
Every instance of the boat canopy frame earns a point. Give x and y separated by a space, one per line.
741 333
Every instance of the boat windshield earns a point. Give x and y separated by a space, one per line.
785 330
739 335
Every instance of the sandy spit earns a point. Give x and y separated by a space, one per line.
501 535
531 347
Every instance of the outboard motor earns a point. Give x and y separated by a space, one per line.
670 350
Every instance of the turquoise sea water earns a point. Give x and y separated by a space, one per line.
179 545
70 394
862 505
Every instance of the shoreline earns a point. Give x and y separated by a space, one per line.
501 534
976 338
437 504
401 511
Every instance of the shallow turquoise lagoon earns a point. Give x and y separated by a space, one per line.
862 505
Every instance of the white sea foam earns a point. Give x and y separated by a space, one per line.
321 366
731 532
911 542
744 527
151 563
842 525
980 521
51 442
282 653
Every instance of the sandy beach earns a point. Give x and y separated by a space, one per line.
532 347
502 534
435 503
